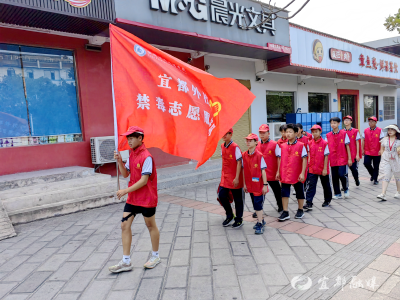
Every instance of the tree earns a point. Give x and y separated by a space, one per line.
393 22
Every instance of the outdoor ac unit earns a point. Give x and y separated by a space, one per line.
102 149
275 134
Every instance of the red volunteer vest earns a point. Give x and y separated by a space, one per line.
316 156
145 196
291 162
281 141
371 141
352 134
268 151
308 135
337 148
304 140
252 172
229 165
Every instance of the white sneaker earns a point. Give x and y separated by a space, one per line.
347 194
120 267
382 196
153 261
397 195
339 196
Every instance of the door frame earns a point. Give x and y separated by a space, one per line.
356 93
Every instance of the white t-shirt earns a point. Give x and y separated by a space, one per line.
147 168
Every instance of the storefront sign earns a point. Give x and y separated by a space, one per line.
79 3
382 65
279 48
340 55
222 12
318 51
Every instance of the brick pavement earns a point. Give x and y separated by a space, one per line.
68 257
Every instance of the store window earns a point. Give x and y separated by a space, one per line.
370 106
318 102
388 108
278 105
34 108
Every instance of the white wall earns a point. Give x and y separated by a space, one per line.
242 69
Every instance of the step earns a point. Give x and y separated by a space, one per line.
64 207
188 169
54 186
19 180
193 177
6 227
60 195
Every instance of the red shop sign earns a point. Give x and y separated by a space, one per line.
279 48
340 55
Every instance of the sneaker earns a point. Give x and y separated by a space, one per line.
357 182
294 192
382 197
326 203
347 194
255 215
280 209
237 224
121 267
299 214
376 182
371 179
263 224
397 195
338 196
259 228
227 221
307 207
284 216
153 261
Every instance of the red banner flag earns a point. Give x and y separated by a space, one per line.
183 110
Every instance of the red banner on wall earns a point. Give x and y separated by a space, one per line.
183 110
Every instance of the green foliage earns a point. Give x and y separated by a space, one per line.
393 22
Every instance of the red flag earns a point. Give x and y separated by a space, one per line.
183 110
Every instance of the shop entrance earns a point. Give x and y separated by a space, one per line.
348 105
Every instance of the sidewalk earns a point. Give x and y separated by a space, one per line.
68 257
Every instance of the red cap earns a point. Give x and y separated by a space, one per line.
348 117
315 127
133 129
252 136
263 127
230 130
373 119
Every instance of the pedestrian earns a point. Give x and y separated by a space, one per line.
318 163
371 148
271 152
301 136
231 181
292 171
142 197
283 138
390 163
255 179
339 158
355 146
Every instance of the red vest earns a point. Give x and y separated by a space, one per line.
291 162
268 151
371 141
317 157
309 135
352 134
337 148
252 172
146 196
281 141
229 166
304 139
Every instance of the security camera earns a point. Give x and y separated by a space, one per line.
259 79
189 60
302 83
207 67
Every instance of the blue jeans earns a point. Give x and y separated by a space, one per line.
311 187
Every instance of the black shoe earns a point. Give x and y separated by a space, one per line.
371 179
307 207
376 182
227 222
237 224
357 182
255 215
326 203
284 216
280 209
299 214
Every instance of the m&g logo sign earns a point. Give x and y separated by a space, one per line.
79 3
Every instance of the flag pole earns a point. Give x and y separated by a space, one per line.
115 117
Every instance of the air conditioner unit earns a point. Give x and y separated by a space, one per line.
275 134
102 149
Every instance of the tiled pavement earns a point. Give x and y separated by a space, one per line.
67 257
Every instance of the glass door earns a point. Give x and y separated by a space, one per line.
347 104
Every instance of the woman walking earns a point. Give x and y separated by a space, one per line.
390 163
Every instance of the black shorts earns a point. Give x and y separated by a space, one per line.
145 211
